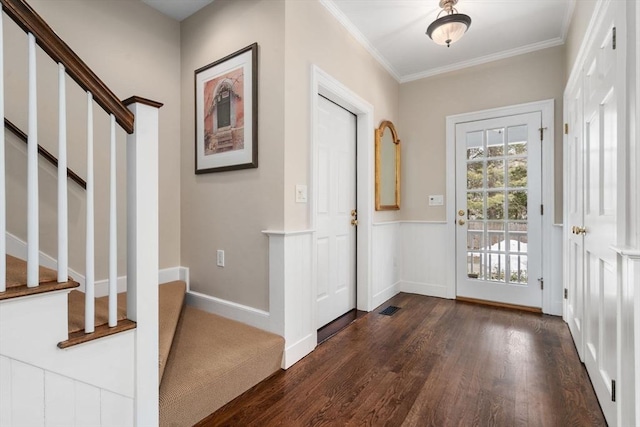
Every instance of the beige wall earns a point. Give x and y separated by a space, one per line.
425 104
314 36
228 210
135 50
579 22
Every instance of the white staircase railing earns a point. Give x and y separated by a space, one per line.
142 197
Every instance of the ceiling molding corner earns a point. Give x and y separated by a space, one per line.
483 60
360 38
567 20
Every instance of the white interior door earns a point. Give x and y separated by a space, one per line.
498 199
335 211
574 171
600 216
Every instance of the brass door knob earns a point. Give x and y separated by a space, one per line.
461 212
461 222
581 230
354 222
354 213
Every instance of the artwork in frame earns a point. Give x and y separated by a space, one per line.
227 113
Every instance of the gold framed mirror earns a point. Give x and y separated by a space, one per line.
387 167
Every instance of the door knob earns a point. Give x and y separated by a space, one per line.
461 212
354 213
354 222
461 221
581 230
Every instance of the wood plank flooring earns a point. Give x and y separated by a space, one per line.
435 362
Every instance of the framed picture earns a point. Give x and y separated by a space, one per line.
227 113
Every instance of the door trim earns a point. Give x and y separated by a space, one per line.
324 84
552 292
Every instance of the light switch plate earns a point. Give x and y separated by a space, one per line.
436 200
301 193
220 258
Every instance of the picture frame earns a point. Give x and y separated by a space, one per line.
226 103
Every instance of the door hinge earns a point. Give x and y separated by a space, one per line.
541 134
541 280
566 128
614 38
613 390
566 293
541 209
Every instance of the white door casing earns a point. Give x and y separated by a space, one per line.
574 242
336 199
498 199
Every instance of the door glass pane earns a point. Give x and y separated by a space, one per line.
518 204
475 145
475 175
517 173
475 236
475 205
517 140
497 205
495 142
475 265
495 174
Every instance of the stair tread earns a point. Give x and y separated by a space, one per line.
101 331
170 300
17 273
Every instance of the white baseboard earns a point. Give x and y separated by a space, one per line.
428 289
298 350
231 310
385 294
18 248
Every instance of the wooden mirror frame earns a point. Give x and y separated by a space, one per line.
384 125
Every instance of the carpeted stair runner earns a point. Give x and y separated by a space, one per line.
212 361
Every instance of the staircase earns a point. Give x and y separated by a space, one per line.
205 360
66 357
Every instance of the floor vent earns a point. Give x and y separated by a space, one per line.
390 311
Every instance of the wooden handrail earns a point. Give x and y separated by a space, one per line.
27 18
43 152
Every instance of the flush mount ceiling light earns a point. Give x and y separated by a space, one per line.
451 27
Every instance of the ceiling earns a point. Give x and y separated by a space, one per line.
393 31
178 9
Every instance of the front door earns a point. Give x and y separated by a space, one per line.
335 211
498 210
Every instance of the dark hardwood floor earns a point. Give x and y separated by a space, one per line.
435 362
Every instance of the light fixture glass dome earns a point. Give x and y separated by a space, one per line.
449 28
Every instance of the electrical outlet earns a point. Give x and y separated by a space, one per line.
220 258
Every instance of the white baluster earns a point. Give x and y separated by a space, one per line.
113 233
3 200
63 245
89 307
32 173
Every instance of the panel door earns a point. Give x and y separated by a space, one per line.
600 215
336 235
498 218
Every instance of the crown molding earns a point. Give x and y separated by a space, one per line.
567 20
353 30
483 60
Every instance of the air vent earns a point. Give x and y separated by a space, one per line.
390 311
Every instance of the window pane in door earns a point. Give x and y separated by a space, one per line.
475 145
475 265
495 205
495 174
495 142
518 204
475 175
517 173
517 140
475 205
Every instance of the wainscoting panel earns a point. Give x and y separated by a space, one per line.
423 253
291 292
32 396
386 261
